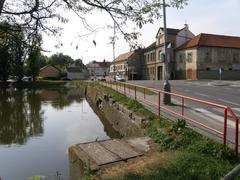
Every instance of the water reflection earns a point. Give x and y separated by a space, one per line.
37 126
21 113
21 116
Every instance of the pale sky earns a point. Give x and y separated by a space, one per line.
202 16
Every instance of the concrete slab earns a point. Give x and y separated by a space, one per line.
120 148
98 153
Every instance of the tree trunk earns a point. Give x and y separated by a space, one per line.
1 5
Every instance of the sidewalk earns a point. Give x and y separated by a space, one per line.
224 83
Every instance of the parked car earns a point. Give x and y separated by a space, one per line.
65 79
119 78
101 78
26 78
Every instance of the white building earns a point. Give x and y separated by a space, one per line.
98 69
77 71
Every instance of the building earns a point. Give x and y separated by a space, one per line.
127 65
149 62
98 69
77 71
50 72
209 56
153 61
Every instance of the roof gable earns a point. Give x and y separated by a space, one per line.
170 31
124 56
49 66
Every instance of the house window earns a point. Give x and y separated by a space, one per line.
180 58
159 55
207 56
235 58
189 57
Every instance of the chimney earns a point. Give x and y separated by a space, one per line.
186 26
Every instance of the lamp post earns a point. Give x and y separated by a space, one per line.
166 85
83 53
113 44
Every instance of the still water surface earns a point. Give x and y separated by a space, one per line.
38 126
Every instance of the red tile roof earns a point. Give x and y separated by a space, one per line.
124 56
212 40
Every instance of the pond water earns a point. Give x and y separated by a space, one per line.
38 126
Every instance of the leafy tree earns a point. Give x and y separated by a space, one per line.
33 62
60 60
34 15
12 51
33 65
42 60
4 63
18 52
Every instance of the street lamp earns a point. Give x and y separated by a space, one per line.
113 44
83 53
166 85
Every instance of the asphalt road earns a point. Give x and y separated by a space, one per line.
225 93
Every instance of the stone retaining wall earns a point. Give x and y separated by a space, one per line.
126 122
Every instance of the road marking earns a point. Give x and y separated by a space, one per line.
222 111
230 102
202 94
214 116
236 109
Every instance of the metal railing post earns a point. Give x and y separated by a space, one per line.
135 88
159 101
236 136
225 127
182 107
144 93
124 88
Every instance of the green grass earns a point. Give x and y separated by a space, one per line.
185 166
199 157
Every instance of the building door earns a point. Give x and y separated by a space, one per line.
159 73
189 74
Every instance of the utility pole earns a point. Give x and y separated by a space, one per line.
166 85
113 43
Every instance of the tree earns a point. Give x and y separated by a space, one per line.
42 60
34 15
4 63
12 51
18 51
60 60
33 62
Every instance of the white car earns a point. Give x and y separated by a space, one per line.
101 78
26 78
119 78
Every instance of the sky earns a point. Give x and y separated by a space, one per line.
202 16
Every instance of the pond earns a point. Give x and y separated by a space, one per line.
38 126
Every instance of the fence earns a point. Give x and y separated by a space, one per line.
138 92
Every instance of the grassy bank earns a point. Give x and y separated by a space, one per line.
188 155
